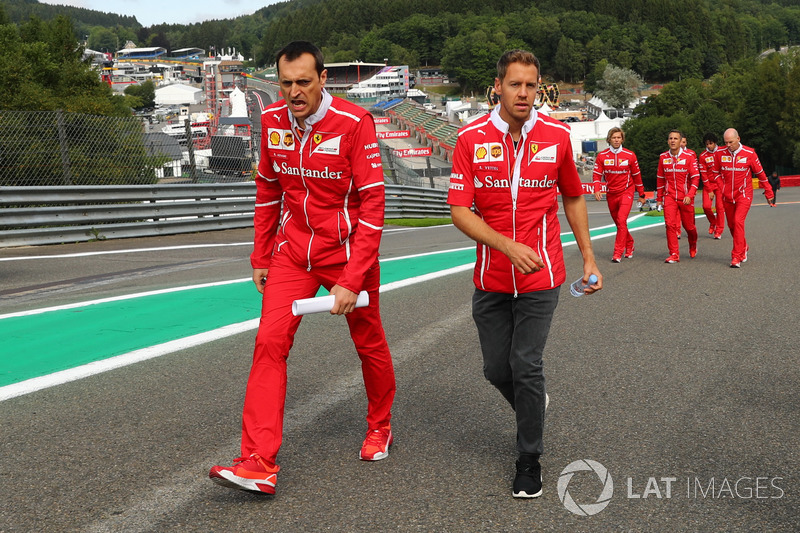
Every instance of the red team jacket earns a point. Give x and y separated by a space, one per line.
620 170
331 185
708 169
515 194
736 171
677 176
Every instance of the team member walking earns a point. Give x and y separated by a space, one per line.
619 168
737 165
676 181
508 164
320 161
711 187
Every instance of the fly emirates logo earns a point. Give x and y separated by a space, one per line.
326 173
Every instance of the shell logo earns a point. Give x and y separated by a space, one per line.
274 138
481 152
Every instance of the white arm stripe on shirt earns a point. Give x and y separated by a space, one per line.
367 224
345 113
268 204
376 184
263 177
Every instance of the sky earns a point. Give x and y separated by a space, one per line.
151 12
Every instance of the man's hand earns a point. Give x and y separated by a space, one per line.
344 300
598 196
260 278
687 200
522 256
711 195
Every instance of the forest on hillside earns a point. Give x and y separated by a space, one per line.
708 53
659 39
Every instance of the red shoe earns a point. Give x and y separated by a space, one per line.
629 253
745 254
252 473
673 258
711 230
376 445
736 264
693 252
718 236
616 259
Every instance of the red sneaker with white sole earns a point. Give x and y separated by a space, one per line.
252 473
376 444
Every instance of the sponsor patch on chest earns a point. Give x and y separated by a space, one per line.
280 139
487 152
542 152
325 143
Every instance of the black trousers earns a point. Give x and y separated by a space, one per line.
513 332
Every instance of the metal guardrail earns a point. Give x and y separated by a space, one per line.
415 202
48 215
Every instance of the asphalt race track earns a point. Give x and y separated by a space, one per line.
679 381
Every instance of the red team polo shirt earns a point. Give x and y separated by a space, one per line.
620 170
736 171
677 176
516 194
330 185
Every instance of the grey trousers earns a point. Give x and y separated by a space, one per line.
513 332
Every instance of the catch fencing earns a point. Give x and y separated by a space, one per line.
57 149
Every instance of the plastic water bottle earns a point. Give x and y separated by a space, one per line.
577 287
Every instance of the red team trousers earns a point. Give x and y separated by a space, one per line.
717 220
736 213
262 420
620 207
675 213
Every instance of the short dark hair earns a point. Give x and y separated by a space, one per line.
679 132
516 56
710 137
295 49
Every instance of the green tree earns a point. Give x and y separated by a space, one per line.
619 86
144 93
472 57
569 60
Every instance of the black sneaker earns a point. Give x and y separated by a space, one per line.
528 481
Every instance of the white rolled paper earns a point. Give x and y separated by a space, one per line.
322 304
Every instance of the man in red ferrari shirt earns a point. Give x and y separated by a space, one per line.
510 164
318 222
711 188
619 168
737 165
676 184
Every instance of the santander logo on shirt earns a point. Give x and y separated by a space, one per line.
325 173
504 183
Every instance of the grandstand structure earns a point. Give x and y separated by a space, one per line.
152 52
427 127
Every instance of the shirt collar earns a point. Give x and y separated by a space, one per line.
318 115
615 150
502 125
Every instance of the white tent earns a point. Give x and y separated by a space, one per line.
177 94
